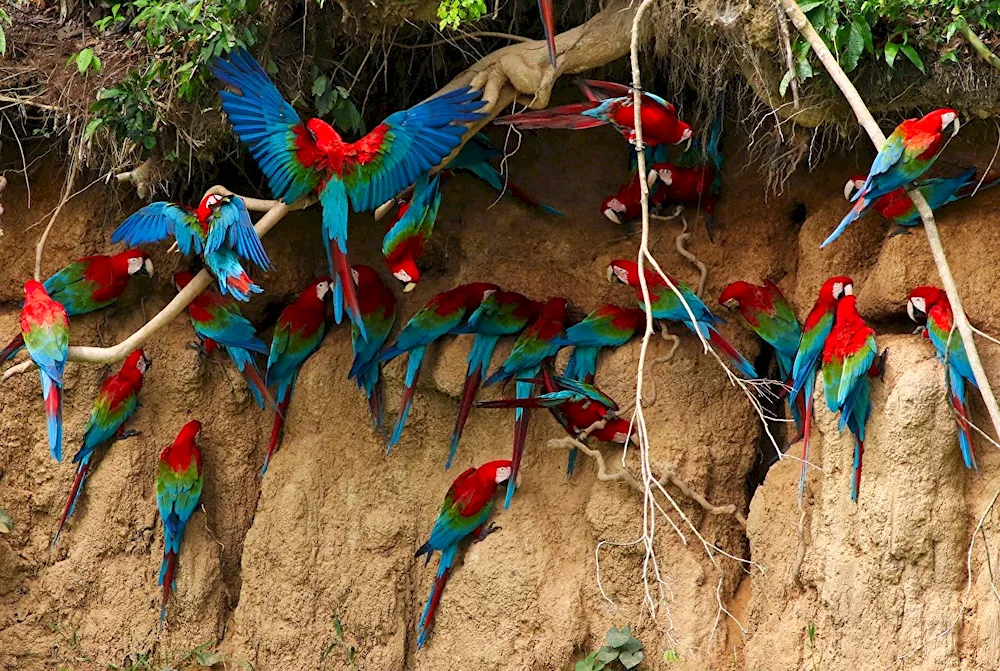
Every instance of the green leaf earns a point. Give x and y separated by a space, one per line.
855 47
6 523
3 43
92 127
911 53
865 30
812 4
587 663
803 69
97 63
671 656
618 637
83 60
630 660
949 56
632 645
891 49
149 141
209 658
607 655
319 85
785 81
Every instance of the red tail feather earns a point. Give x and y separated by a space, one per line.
253 379
549 23
239 284
435 599
81 473
375 404
719 343
343 268
279 424
472 383
168 579
520 436
15 344
521 194
564 116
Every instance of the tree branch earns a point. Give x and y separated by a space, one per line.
802 24
977 44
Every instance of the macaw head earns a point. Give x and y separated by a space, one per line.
497 472
852 185
137 361
940 119
687 134
624 271
209 205
322 133
181 279
614 209
920 300
662 172
734 294
136 262
33 290
404 268
178 454
836 288
320 288
365 276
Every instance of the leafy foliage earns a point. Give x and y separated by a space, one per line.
339 642
335 102
622 651
4 21
85 61
6 523
455 12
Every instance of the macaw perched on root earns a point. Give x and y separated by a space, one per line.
466 507
219 230
297 335
116 402
667 306
378 312
535 346
607 326
178 488
217 320
410 230
443 314
89 284
906 155
300 158
45 328
930 306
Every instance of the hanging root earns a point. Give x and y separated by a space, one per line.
681 244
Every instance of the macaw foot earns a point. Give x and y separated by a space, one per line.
900 230
198 347
920 330
711 224
485 531
122 435
880 364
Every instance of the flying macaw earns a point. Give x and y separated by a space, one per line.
219 230
667 307
115 404
410 230
931 305
178 488
378 311
299 157
443 314
768 314
626 204
609 104
906 155
217 320
503 313
536 345
297 335
900 210
576 406
849 361
607 326
89 284
466 507
818 325
45 328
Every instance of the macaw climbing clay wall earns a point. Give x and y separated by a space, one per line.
331 530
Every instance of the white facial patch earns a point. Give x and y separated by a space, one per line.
213 200
135 265
732 303
946 119
621 437
503 474
666 177
621 274
838 289
321 289
488 293
402 276
142 364
355 275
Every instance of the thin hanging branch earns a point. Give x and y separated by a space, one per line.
977 44
801 23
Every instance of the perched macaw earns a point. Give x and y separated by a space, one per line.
768 314
378 311
217 320
503 313
115 404
299 157
219 230
609 104
45 328
443 314
536 345
466 507
900 210
576 406
410 230
906 155
931 305
89 284
849 361
626 204
668 307
297 335
818 325
178 489
607 326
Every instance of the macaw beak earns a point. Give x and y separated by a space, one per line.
651 178
173 247
634 439
148 266
849 189
911 310
385 208
611 274
409 286
690 138
957 126
612 215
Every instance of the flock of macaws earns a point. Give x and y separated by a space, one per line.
377 173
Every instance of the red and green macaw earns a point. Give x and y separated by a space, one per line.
607 326
849 363
626 204
378 312
536 345
668 307
89 284
818 325
548 14
45 328
930 305
299 157
768 314
466 507
178 488
503 313
443 314
900 210
217 320
410 230
609 103
298 333
576 406
906 155
219 230
116 402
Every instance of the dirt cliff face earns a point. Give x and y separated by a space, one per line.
333 527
